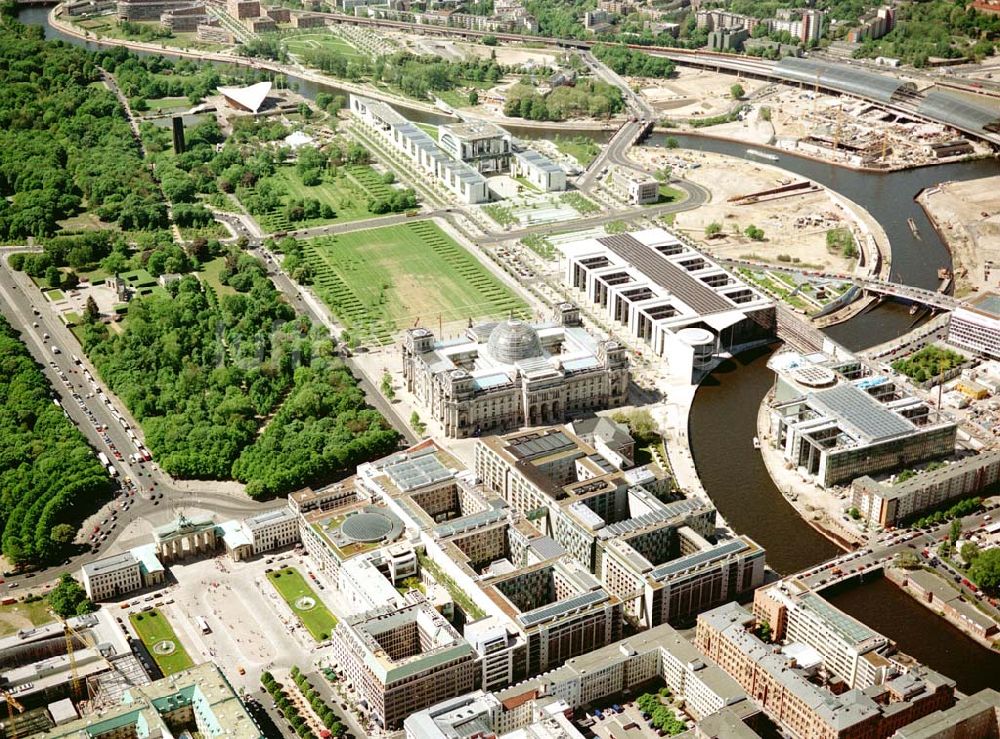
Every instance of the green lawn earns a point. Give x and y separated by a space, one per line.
347 193
300 43
210 276
669 194
161 105
292 587
429 128
24 615
154 628
581 148
380 280
54 295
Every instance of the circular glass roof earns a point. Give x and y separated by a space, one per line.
514 340
366 526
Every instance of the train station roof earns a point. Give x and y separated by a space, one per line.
841 78
959 112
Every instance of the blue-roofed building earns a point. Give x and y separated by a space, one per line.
506 375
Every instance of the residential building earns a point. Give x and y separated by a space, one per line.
727 39
633 187
120 574
279 15
977 327
198 701
183 20
885 504
147 10
308 20
972 717
403 660
260 25
481 144
798 698
873 26
539 170
511 374
413 143
214 32
850 650
242 9
685 307
836 421
941 597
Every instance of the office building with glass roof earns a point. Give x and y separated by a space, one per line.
836 420
504 375
684 306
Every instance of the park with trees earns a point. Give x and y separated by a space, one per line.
49 477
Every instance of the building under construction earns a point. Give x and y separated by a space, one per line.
62 670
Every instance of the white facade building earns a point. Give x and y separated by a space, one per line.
408 139
539 170
977 329
683 305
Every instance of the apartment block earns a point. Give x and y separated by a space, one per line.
793 691
882 504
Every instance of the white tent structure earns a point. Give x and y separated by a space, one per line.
246 98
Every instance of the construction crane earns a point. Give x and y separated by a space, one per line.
74 680
85 639
12 705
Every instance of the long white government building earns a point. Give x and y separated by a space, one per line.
686 307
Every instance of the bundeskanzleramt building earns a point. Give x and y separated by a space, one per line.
883 504
481 144
677 301
836 421
413 143
506 375
401 661
796 696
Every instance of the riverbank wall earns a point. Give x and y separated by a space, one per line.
943 601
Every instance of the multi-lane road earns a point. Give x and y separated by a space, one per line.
19 301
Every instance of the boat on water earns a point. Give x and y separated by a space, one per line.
756 443
913 228
762 155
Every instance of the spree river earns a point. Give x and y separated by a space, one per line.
723 418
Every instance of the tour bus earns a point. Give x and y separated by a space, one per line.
104 459
203 625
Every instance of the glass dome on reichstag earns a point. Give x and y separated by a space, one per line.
513 340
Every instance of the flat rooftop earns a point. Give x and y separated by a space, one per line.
859 410
666 274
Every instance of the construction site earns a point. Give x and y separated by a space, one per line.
856 132
792 216
54 674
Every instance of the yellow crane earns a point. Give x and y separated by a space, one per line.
12 704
